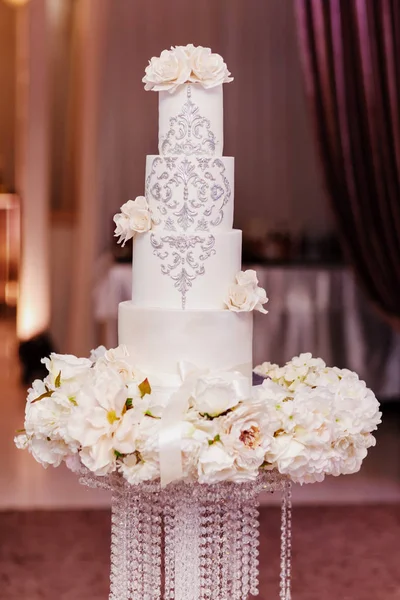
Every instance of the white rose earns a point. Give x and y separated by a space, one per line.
216 393
207 68
262 298
135 217
123 229
215 464
167 72
188 49
65 367
245 295
247 279
240 298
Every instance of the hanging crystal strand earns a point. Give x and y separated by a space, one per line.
135 541
236 544
286 542
252 530
169 512
146 500
187 534
120 531
226 508
210 541
216 512
205 560
156 543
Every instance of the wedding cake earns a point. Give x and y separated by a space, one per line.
189 300
169 421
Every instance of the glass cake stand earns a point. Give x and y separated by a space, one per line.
190 541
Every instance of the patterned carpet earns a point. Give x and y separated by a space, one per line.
339 553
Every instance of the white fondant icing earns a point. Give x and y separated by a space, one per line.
190 193
177 270
191 121
158 339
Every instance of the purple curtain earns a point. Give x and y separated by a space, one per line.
351 60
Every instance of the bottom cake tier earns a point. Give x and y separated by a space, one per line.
159 339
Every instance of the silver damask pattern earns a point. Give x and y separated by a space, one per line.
189 132
186 195
182 258
189 193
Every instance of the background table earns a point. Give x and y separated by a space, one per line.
311 309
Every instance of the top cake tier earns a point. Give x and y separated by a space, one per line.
191 121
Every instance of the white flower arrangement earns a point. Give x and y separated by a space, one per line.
324 418
306 420
185 64
135 217
245 294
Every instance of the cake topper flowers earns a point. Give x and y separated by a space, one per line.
245 294
185 64
135 217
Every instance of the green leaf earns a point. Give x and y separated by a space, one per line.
129 403
118 454
57 382
216 439
144 387
148 414
45 395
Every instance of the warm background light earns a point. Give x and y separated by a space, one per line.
16 2
33 315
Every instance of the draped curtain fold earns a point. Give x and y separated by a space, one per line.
351 62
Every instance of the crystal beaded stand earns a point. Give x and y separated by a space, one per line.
190 541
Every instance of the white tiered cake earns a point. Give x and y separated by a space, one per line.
184 266
174 404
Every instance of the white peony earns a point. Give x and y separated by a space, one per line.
138 467
245 295
207 68
138 429
64 367
117 359
97 353
99 411
135 217
49 417
266 369
215 393
168 71
48 452
321 429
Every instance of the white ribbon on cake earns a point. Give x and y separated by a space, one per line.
170 439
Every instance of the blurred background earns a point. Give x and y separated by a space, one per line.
313 121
